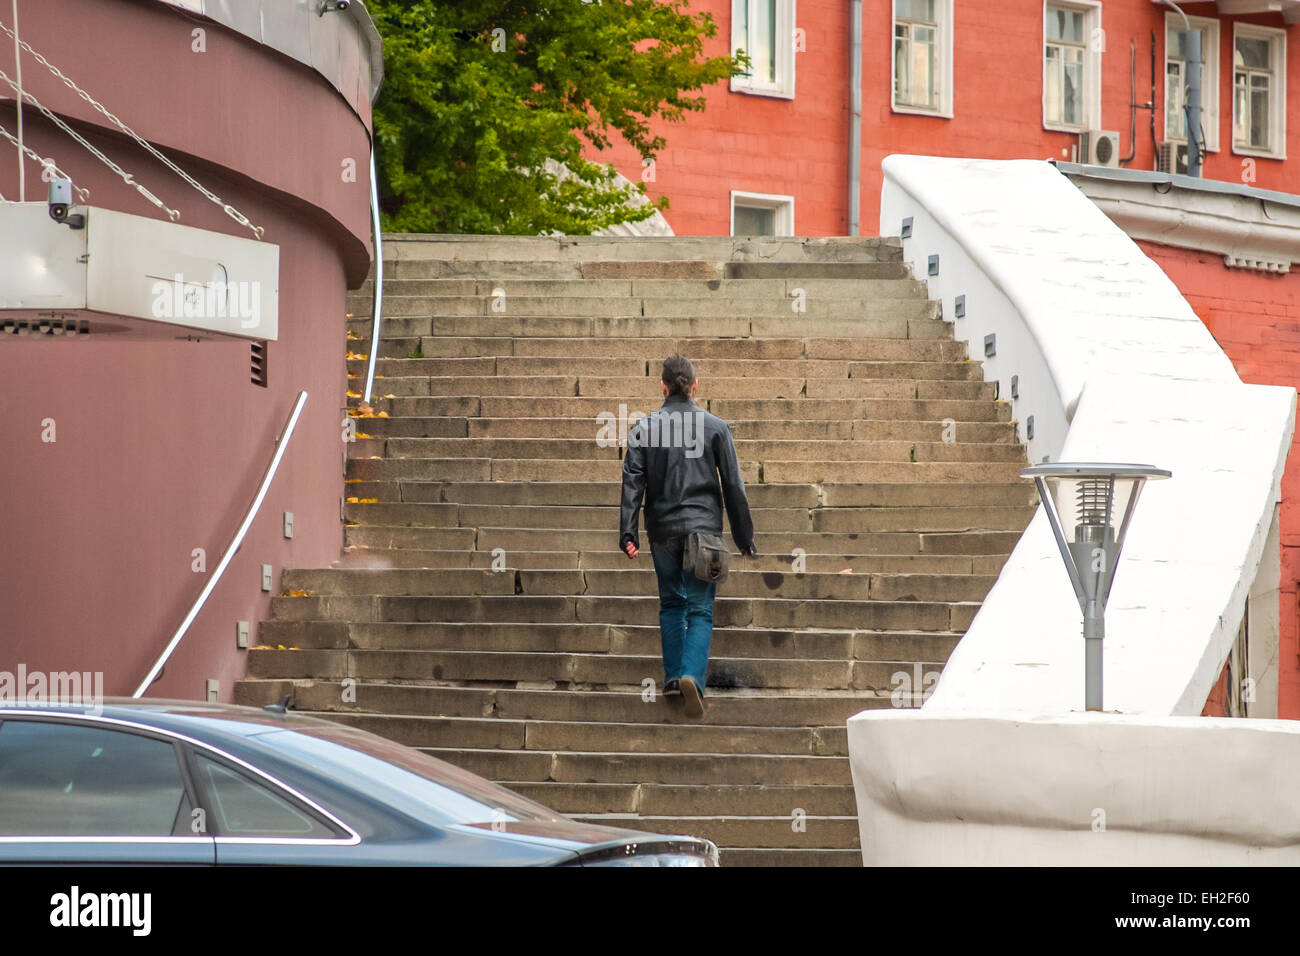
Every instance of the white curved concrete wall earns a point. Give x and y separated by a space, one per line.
1113 365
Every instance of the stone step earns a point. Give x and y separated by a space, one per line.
934 517
866 304
597 448
726 707
576 670
406 422
596 493
531 269
779 613
600 736
611 469
786 270
916 320
792 831
394 488
484 250
862 408
362 557
766 856
636 581
686 800
812 644
513 540
702 289
868 409
654 350
644 391
641 367
617 767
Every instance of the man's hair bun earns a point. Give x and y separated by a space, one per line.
678 375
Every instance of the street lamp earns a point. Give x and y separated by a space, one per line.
1089 507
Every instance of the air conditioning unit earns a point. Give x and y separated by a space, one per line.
1099 147
1171 157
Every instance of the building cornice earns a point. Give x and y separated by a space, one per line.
1250 228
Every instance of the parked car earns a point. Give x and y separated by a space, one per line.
177 782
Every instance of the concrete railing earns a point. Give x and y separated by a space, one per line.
1095 347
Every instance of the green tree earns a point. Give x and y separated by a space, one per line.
478 96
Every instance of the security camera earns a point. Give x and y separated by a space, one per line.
60 199
60 203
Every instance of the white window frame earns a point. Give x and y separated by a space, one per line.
785 57
1091 9
943 49
1277 60
1209 28
784 206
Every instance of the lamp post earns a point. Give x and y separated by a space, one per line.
1089 507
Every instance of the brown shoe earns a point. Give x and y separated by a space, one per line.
693 698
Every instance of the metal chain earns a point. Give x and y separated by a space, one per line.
127 178
229 210
82 194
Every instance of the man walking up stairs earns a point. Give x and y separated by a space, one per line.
674 460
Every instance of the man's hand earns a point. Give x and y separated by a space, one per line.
631 550
751 552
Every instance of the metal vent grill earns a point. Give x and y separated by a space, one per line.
258 364
44 327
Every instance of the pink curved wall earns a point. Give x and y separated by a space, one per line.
160 445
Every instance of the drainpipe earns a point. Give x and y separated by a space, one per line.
855 116
1192 40
18 72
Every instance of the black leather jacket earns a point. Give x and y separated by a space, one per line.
674 459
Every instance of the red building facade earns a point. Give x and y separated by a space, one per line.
992 102
1013 79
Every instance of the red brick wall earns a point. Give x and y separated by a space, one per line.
1255 318
799 147
1216 705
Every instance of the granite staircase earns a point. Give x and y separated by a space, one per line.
481 605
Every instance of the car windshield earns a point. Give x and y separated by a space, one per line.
423 786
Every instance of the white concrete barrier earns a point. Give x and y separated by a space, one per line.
1079 789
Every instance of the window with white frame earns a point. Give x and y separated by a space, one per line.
923 57
1176 79
1258 90
764 31
1072 45
761 214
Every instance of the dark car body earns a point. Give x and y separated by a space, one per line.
96 784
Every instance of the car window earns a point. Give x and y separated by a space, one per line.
243 807
59 779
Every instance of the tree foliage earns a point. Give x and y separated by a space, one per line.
478 96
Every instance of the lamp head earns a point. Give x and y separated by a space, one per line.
1089 506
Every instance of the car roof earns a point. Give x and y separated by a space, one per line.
209 721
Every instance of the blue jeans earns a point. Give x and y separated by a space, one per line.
685 614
